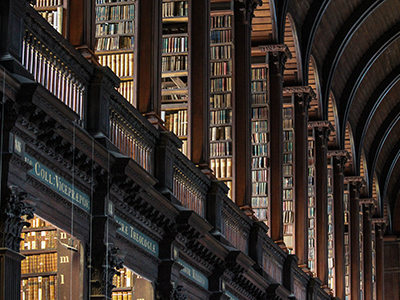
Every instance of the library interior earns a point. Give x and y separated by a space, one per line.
200 149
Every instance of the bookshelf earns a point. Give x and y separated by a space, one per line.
52 11
311 202
288 172
331 234
115 40
48 266
361 247
221 95
175 56
373 235
346 209
130 286
260 152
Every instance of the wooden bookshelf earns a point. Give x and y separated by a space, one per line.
175 59
52 11
347 266
311 203
124 283
115 40
260 142
288 174
331 226
46 269
222 95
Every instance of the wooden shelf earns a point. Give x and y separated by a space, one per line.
44 274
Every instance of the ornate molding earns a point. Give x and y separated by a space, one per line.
381 222
276 48
11 223
320 125
246 8
300 90
368 205
339 153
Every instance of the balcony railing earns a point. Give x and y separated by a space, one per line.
55 63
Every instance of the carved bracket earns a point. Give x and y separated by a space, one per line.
11 223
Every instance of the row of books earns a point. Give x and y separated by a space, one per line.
287 182
174 9
260 214
174 63
126 90
287 146
117 12
130 145
287 158
287 229
259 162
311 211
36 222
222 167
39 240
258 86
223 116
123 27
234 235
111 1
259 201
224 21
259 126
124 278
221 133
120 64
288 123
177 122
188 196
221 149
121 295
174 44
259 188
221 100
288 240
40 263
288 205
287 113
259 150
288 135
288 194
259 137
54 18
288 216
221 36
259 98
260 112
45 3
287 170
35 288
221 85
311 222
115 43
258 73
221 68
259 175
221 52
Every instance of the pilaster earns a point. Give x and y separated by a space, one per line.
380 227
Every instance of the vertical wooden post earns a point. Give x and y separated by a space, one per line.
199 90
148 60
368 207
380 226
356 184
303 96
322 132
242 115
276 57
339 159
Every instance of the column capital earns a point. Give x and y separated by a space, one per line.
304 95
357 181
368 205
339 154
246 8
322 129
280 53
381 222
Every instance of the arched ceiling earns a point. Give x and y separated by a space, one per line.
356 48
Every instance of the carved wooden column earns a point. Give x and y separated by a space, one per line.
302 97
322 131
79 27
368 208
148 60
339 158
380 227
12 14
12 209
276 57
242 105
356 183
199 92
